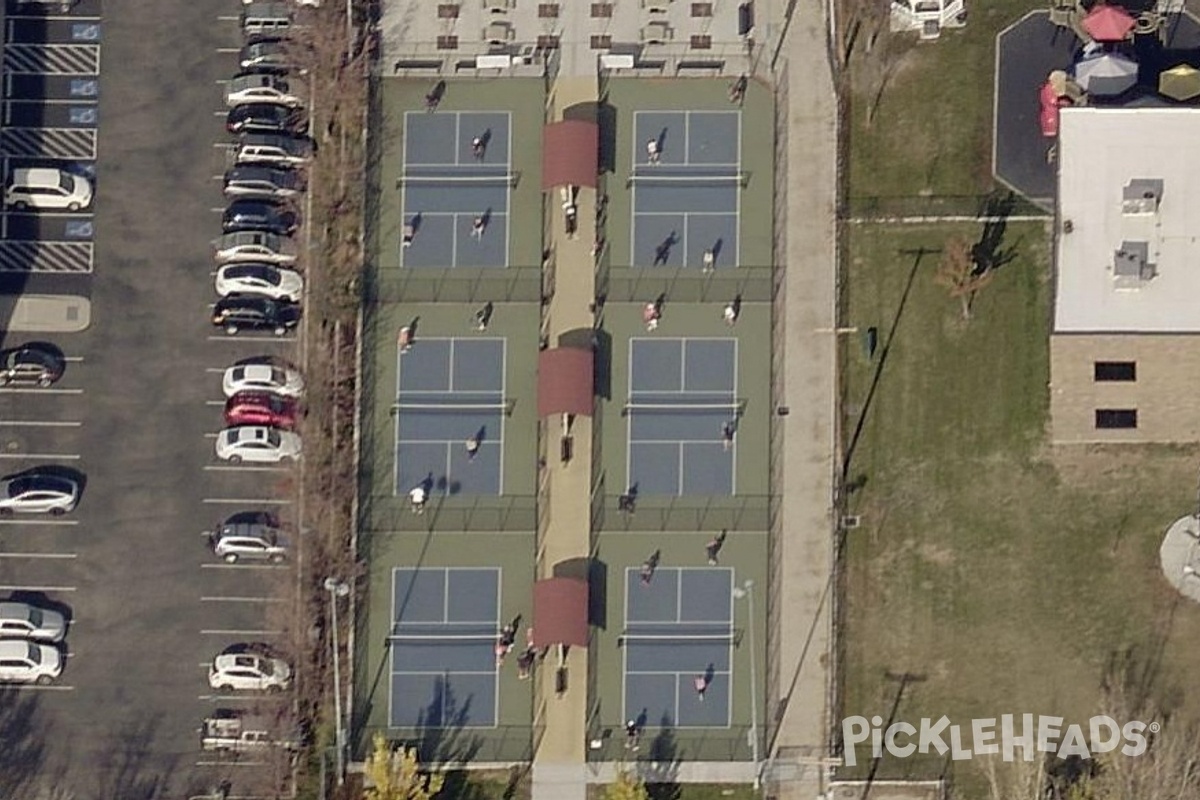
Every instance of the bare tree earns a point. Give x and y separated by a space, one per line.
961 275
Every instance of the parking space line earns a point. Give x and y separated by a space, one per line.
236 339
231 764
214 402
15 588
20 687
220 599
39 522
39 555
13 390
245 501
228 50
42 456
30 423
211 435
234 566
215 370
234 632
73 359
240 468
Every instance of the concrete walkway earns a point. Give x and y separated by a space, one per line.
559 768
803 600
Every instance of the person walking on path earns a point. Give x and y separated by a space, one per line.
713 549
649 566
701 684
650 316
484 316
472 446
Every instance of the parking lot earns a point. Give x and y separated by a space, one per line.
137 409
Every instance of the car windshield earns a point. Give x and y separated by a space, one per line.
35 655
278 376
35 617
273 438
266 667
66 182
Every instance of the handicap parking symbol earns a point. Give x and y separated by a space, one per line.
84 87
83 115
85 32
79 229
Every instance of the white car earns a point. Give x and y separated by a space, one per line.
52 189
258 444
265 248
29 662
243 669
263 279
283 381
38 493
25 621
257 88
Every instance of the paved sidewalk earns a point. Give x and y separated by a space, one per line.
806 552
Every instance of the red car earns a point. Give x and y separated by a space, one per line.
260 408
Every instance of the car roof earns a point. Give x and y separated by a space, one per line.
37 174
13 610
15 648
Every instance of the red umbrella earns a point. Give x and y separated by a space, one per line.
1106 23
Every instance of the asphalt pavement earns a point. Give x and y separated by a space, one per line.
137 409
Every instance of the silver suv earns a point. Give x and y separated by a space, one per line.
251 535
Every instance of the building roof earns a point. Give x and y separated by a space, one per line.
560 612
570 154
565 382
1128 243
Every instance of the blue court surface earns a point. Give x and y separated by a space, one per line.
448 391
677 628
446 186
682 397
689 201
443 663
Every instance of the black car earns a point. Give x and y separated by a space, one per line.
32 364
259 215
239 312
264 118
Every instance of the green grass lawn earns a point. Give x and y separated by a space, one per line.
930 131
1000 573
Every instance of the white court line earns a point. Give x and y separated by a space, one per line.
13 390
43 456
242 468
235 632
220 599
245 501
14 588
29 423
39 555
686 214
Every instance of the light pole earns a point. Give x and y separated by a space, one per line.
337 589
747 591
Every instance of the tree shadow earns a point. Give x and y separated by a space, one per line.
986 254
661 774
24 734
134 770
442 736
